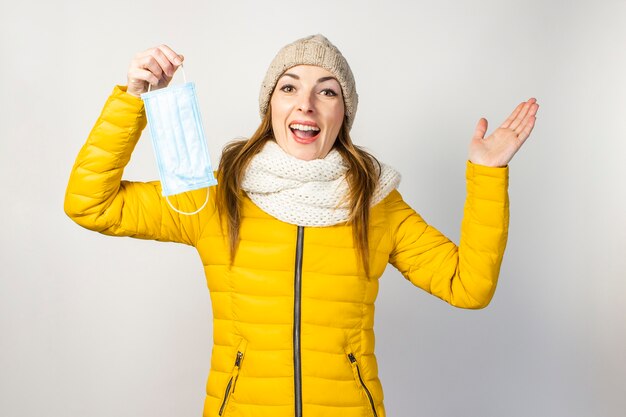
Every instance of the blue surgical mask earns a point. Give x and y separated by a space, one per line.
178 140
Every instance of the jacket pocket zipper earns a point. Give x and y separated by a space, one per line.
357 375
230 387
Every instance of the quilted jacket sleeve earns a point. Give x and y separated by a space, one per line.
98 199
465 275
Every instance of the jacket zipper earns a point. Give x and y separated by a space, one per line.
355 366
232 381
297 366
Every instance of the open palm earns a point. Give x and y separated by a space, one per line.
497 149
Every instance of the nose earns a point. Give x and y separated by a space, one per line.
306 103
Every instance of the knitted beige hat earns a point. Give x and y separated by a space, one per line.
312 50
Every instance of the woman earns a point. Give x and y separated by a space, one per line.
297 232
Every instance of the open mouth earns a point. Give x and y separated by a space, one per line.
305 132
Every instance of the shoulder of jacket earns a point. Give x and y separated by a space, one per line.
392 199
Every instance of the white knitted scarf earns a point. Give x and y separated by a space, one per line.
306 193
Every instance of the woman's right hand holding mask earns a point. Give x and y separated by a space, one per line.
155 66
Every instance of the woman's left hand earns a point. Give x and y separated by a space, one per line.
497 149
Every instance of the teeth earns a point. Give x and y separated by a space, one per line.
304 128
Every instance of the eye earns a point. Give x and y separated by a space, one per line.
287 88
328 92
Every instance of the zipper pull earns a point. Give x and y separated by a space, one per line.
236 370
359 381
355 368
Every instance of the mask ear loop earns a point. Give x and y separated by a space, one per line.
207 190
192 213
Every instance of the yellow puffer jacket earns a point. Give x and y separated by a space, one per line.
293 317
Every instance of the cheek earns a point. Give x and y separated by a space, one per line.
278 130
280 111
335 119
278 114
336 116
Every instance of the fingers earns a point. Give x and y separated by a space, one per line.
523 131
481 128
155 66
140 76
532 110
160 60
172 56
167 59
152 65
512 117
521 115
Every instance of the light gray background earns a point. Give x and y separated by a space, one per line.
101 326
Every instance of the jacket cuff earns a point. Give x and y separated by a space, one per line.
489 183
119 92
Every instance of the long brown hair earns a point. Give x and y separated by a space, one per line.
362 176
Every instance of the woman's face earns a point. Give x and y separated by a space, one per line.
307 111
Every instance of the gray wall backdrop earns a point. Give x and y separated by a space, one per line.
101 326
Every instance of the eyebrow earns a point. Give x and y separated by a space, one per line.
321 80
